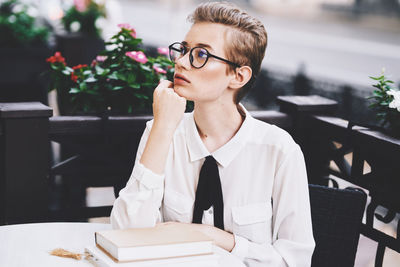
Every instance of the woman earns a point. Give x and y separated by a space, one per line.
218 170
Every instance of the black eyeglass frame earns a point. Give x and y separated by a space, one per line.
170 47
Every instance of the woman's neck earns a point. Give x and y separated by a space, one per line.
217 123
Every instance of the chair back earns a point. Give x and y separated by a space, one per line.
336 217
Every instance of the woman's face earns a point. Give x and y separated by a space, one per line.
210 82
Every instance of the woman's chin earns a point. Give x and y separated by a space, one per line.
180 90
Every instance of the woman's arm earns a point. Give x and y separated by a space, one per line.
293 243
168 110
138 204
221 238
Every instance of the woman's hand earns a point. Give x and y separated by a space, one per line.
168 106
168 110
221 238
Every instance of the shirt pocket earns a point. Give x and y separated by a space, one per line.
253 221
177 207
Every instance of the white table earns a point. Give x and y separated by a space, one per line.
29 244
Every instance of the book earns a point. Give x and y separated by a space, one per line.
98 258
159 242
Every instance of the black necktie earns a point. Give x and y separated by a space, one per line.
209 193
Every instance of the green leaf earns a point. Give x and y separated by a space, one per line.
66 72
121 76
131 78
74 91
144 67
92 92
91 80
134 85
54 67
100 71
375 78
377 93
113 76
115 88
83 86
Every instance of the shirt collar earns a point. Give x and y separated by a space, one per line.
225 154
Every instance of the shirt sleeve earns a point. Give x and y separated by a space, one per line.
138 204
293 243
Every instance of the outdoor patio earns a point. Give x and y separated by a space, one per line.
65 153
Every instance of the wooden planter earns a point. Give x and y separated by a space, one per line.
78 48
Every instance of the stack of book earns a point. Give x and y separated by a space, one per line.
163 245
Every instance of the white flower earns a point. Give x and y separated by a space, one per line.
33 12
396 99
12 19
75 26
18 8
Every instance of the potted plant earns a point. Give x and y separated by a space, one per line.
386 102
120 80
82 39
23 44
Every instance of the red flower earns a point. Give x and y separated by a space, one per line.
79 66
74 77
56 58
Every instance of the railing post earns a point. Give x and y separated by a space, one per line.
24 162
300 108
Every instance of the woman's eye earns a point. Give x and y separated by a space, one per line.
202 54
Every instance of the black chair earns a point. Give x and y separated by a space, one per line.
336 217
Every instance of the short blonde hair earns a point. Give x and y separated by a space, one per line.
247 42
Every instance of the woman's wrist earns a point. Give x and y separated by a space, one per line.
163 128
221 238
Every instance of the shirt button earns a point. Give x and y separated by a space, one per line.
210 212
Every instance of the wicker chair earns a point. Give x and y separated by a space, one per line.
336 216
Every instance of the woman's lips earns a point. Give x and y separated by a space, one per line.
180 79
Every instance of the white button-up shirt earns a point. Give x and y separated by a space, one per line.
264 186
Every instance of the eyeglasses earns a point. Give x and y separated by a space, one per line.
198 56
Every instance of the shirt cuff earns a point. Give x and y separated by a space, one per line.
241 247
146 177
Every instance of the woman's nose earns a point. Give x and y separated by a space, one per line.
183 61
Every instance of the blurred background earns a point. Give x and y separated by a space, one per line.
325 47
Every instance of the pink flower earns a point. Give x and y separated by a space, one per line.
138 56
81 5
101 58
159 70
128 27
124 26
163 51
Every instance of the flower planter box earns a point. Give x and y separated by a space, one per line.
78 48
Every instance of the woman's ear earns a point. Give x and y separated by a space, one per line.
241 77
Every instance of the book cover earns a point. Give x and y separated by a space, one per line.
162 241
99 259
